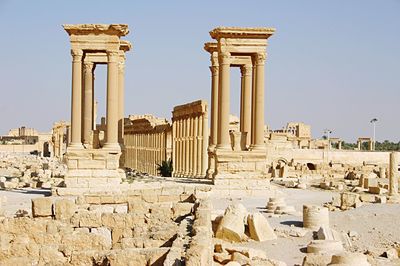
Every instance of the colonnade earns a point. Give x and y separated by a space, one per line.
144 150
190 139
147 143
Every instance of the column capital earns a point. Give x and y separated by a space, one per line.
88 67
260 58
76 55
214 59
214 70
112 56
224 58
121 67
246 70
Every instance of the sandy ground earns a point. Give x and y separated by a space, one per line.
377 225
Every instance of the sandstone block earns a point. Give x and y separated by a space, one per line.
349 199
259 228
231 228
64 209
324 247
42 207
103 232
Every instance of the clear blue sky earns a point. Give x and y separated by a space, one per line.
331 64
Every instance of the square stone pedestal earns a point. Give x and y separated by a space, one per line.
241 169
92 168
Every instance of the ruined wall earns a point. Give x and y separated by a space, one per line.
190 139
335 156
20 148
147 142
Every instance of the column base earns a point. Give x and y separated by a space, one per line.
75 145
112 146
257 147
223 147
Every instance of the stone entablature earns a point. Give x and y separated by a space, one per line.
147 142
190 139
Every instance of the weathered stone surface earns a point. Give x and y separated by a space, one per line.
103 232
64 209
349 199
231 228
42 207
259 228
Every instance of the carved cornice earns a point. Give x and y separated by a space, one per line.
84 29
238 32
211 47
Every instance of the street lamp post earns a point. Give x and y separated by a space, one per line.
328 133
373 122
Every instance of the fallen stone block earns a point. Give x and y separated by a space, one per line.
231 228
259 228
324 247
349 199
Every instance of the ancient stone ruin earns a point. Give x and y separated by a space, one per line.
202 187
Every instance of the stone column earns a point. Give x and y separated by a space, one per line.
259 103
245 112
187 154
203 125
88 102
214 98
223 141
359 145
195 146
340 145
190 140
121 98
393 175
112 101
174 147
181 149
76 103
253 93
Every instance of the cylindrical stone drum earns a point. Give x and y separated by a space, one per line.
325 247
315 216
350 259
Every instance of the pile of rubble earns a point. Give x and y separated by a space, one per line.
19 171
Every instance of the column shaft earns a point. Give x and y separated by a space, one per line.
223 141
121 100
76 101
88 102
214 102
259 103
112 101
245 112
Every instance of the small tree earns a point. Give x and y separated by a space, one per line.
165 168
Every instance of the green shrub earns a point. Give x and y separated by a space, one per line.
165 168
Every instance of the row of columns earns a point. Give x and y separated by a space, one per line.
83 113
251 104
143 151
190 145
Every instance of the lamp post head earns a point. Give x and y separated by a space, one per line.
374 120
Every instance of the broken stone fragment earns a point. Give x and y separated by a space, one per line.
259 228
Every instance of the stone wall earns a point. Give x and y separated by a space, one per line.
147 142
335 156
190 139
106 229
